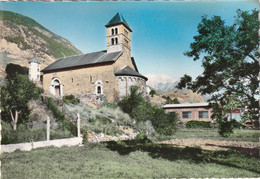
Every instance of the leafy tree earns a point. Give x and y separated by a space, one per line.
229 56
15 97
12 70
170 101
152 93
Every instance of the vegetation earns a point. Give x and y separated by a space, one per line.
212 133
139 109
19 41
198 124
230 60
15 97
26 134
126 161
152 93
70 99
66 123
12 70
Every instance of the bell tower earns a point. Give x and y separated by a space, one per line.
118 35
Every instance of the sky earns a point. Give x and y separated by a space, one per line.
162 31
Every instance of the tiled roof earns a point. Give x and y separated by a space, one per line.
129 72
183 105
34 60
118 19
82 60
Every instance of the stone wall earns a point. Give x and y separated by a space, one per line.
82 81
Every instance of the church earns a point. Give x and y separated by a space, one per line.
110 73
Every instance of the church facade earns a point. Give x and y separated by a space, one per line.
110 73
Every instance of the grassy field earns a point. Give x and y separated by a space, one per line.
125 161
238 135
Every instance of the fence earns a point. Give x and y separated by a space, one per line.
56 143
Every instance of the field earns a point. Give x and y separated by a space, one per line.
126 160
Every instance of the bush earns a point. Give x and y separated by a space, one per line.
198 124
66 123
139 109
226 127
70 99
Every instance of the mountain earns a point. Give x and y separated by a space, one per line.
22 38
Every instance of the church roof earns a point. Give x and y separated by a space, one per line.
82 60
118 19
34 60
129 72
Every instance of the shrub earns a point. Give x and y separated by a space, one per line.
70 99
66 123
226 127
136 106
198 124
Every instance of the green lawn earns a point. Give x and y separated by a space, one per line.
238 135
126 161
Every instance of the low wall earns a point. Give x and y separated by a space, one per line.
33 145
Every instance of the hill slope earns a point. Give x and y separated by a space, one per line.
22 38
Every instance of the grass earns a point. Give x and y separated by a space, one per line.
119 161
238 135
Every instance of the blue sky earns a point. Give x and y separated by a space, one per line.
162 31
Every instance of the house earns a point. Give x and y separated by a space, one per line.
110 73
190 111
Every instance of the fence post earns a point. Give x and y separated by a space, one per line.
78 124
48 128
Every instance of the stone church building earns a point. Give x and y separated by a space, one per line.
111 72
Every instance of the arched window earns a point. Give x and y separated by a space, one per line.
116 40
112 31
112 41
116 31
98 87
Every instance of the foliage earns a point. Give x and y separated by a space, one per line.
109 105
139 109
226 128
127 104
66 123
230 60
152 93
25 134
12 70
198 124
170 101
15 97
70 99
19 41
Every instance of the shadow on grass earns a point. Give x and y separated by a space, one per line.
194 154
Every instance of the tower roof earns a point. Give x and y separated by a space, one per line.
34 60
129 72
116 20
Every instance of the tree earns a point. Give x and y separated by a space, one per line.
152 93
229 55
15 97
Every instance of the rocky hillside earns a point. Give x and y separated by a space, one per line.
22 38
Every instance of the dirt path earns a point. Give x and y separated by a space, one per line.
248 148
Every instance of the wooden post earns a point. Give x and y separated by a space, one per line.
48 128
78 124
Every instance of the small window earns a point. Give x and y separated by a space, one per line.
38 69
126 32
90 79
203 114
112 41
172 113
38 77
99 90
116 31
71 80
116 40
186 114
112 31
